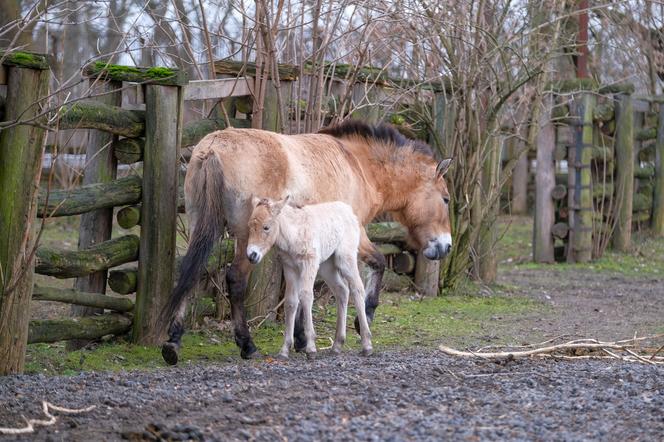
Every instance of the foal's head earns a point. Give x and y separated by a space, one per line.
426 213
263 227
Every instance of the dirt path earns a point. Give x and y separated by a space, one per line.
586 304
413 395
410 394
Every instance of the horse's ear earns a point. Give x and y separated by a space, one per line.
442 167
255 201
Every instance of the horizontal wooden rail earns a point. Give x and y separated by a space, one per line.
69 264
136 74
194 131
84 199
89 114
70 296
644 172
386 232
216 89
88 327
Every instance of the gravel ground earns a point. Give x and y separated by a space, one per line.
402 395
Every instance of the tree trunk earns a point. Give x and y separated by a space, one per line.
545 181
624 172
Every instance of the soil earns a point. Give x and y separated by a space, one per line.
408 394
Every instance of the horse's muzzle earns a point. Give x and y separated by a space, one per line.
438 248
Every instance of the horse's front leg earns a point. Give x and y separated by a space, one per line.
290 307
237 277
376 263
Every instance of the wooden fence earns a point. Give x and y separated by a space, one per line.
148 129
599 171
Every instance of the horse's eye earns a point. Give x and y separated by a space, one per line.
266 227
447 200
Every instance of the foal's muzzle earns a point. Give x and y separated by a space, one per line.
439 247
254 254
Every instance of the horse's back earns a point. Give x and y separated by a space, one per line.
312 168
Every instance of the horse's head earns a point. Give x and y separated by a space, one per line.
426 213
263 226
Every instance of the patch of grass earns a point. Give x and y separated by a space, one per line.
399 322
515 249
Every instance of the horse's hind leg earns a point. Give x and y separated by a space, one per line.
376 263
237 277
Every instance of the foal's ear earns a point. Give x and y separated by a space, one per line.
278 205
442 167
255 201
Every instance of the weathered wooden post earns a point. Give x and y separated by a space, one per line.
156 264
658 203
100 167
580 199
624 182
545 181
20 166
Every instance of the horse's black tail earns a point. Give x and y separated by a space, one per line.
205 178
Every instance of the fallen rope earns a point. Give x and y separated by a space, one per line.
624 350
46 407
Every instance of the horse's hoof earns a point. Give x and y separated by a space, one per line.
336 351
169 351
311 355
281 357
367 352
300 342
250 354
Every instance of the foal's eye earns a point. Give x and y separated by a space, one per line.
266 227
446 199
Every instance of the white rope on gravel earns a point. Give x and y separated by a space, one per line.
46 407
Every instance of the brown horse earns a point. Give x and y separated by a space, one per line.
374 169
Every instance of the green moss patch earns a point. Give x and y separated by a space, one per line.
26 60
400 322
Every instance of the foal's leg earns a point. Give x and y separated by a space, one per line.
336 283
307 301
376 262
237 277
347 266
290 309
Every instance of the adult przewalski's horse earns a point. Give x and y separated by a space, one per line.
374 169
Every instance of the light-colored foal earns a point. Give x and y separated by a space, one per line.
319 238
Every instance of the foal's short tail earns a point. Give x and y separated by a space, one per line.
207 185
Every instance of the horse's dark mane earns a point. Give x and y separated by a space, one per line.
384 133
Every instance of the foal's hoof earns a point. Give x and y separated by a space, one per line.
367 352
311 356
281 357
169 351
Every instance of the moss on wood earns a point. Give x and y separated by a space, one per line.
69 264
69 296
89 327
23 59
149 75
646 133
129 150
88 114
287 72
644 172
83 199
